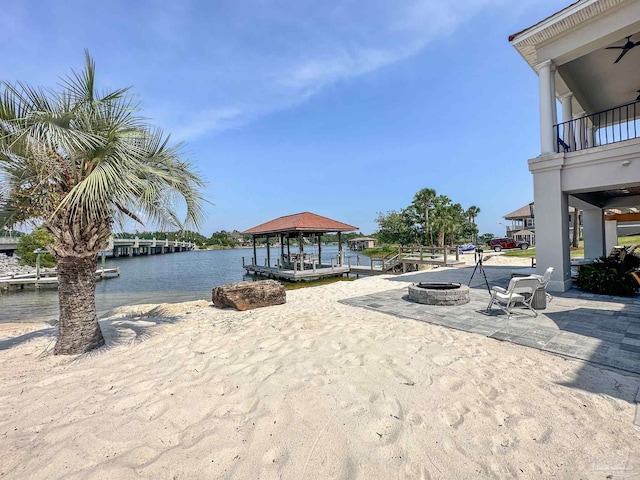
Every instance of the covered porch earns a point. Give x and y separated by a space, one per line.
297 231
589 149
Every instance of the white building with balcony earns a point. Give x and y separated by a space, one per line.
587 58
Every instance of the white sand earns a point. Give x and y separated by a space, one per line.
308 390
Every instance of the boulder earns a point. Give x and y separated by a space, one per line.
249 295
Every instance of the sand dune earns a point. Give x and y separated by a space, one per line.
310 389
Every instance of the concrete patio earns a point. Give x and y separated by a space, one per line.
597 328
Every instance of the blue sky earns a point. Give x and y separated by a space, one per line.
343 108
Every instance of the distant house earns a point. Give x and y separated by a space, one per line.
523 225
362 243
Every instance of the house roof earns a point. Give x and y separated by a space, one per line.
523 232
525 212
514 35
558 24
522 212
362 239
300 222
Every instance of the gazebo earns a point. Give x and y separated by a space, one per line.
297 227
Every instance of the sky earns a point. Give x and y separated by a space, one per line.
342 108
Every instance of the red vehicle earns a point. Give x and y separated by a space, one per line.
498 244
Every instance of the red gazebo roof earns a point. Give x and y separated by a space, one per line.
300 222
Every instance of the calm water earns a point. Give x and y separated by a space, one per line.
176 277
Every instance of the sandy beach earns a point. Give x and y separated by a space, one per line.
313 389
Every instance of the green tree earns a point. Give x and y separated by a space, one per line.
81 161
472 212
39 239
419 211
485 238
393 228
222 239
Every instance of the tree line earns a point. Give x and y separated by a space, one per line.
430 219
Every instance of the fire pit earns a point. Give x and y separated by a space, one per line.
439 293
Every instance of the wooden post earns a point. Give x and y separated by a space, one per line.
102 275
445 255
282 248
37 269
268 253
301 251
457 253
339 248
320 249
421 253
255 254
243 261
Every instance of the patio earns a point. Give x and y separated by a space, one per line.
597 328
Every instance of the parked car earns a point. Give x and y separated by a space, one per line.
497 244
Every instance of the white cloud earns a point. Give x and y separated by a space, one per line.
272 57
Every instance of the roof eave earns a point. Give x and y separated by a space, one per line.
527 40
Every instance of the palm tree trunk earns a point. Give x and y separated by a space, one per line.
79 330
576 228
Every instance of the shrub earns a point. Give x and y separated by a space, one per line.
610 276
38 239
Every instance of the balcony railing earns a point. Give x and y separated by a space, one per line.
603 128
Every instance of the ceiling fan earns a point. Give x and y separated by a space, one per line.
625 48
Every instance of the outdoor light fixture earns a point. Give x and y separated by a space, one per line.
626 163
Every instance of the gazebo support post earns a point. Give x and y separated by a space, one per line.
340 248
320 250
268 252
301 251
282 249
255 255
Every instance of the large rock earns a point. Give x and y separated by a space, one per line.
249 295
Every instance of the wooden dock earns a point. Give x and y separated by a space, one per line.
297 275
48 278
407 259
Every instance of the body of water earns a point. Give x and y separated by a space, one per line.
168 278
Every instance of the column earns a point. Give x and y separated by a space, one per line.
282 249
552 227
301 251
569 134
610 235
546 83
255 254
581 126
593 232
268 252
340 257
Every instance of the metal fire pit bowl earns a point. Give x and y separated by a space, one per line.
439 293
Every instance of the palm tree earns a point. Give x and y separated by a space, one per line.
424 198
472 213
79 162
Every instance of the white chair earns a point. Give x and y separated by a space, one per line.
515 293
544 281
